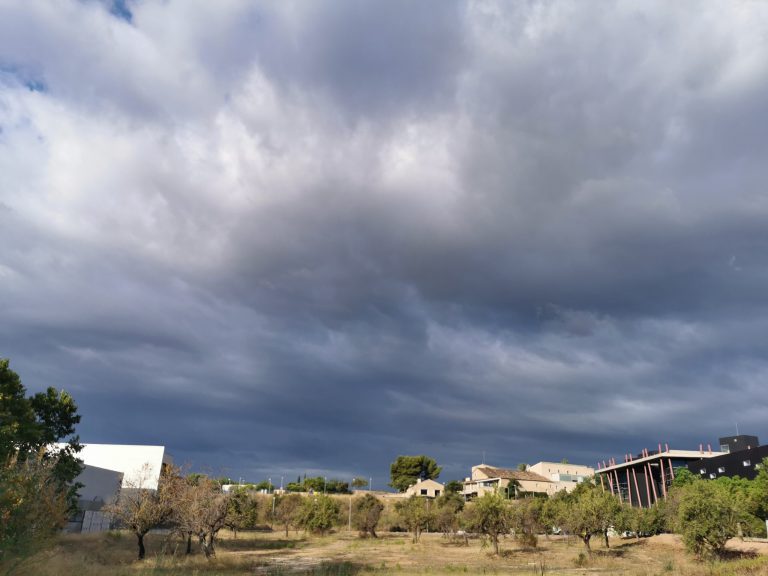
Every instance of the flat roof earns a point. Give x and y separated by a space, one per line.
687 454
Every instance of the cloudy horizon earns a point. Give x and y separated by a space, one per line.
289 237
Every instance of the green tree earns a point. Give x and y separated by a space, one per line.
319 514
454 486
447 509
33 509
415 513
29 425
366 512
407 470
264 485
589 510
287 510
243 511
490 516
526 516
36 476
707 517
359 482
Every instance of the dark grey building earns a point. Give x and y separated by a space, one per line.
742 457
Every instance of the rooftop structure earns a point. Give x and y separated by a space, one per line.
644 479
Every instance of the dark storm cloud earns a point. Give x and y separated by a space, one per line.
308 237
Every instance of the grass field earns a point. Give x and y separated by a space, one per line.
345 554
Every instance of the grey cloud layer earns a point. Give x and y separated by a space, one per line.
274 236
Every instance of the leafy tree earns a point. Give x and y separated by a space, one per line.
490 515
707 518
522 466
526 518
35 476
366 512
683 477
31 426
454 486
588 511
33 509
359 482
243 511
758 493
407 470
265 485
319 513
287 510
415 514
447 509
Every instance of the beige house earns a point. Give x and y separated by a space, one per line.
428 488
486 479
542 478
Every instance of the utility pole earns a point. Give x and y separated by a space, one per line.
350 511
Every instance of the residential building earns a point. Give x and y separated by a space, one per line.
487 478
428 488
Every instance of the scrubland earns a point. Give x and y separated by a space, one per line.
344 553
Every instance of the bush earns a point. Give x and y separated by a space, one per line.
707 517
366 512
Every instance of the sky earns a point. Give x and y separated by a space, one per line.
310 236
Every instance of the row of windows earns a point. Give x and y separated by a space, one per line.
721 469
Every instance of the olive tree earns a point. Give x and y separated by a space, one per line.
319 513
415 514
490 516
366 512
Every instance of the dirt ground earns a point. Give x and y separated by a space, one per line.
343 553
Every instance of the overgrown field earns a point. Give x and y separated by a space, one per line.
344 553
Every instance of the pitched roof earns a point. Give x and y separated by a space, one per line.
508 474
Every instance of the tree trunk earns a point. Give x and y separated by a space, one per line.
495 538
373 533
605 535
189 543
142 550
586 542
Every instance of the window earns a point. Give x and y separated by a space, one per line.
746 463
713 475
423 491
702 470
721 469
437 492
725 448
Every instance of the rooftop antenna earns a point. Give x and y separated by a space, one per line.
484 456
737 428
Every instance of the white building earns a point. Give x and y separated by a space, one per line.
140 465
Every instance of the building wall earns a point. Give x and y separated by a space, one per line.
428 488
140 465
744 463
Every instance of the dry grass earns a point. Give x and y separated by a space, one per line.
343 553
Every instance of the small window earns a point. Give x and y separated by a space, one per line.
721 469
423 491
713 475
702 470
746 463
725 448
437 492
